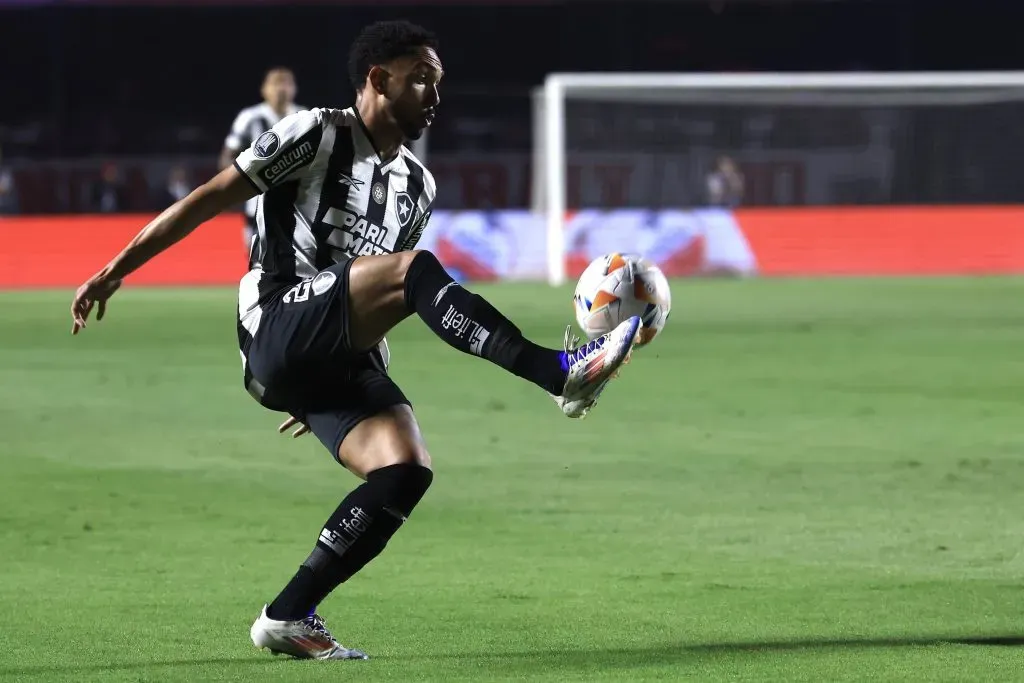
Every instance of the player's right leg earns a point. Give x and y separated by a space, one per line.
372 431
384 290
384 449
299 360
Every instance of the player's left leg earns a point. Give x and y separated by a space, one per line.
384 290
373 432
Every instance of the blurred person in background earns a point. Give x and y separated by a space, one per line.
176 187
725 184
108 194
8 191
278 93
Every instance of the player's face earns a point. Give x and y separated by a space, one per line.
411 95
279 88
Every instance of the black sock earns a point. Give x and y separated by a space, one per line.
293 602
469 323
355 534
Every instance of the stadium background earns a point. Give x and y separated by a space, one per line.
141 90
805 478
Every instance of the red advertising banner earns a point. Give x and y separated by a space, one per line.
63 251
886 240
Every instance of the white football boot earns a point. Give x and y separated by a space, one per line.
594 364
305 639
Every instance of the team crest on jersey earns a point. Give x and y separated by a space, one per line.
266 145
405 208
378 193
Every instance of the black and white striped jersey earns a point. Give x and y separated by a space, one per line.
326 195
248 125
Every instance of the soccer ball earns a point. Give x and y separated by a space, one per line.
617 286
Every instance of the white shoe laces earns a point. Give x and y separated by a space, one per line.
570 340
574 353
317 624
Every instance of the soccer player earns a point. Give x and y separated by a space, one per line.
278 91
342 203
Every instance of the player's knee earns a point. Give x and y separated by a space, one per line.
402 484
407 263
363 462
411 454
415 265
393 274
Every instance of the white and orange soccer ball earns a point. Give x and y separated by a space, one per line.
616 286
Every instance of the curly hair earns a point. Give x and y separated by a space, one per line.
383 41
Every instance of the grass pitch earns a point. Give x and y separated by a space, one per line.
798 481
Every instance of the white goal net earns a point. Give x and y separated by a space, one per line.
638 161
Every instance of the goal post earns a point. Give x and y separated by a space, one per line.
882 106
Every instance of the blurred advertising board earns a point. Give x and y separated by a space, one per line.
480 246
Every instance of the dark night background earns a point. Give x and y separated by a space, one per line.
81 84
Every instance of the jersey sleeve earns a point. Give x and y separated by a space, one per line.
284 152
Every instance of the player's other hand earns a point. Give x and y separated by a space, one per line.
291 422
94 292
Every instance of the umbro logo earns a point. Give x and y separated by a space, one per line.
346 179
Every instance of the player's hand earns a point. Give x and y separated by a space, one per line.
291 422
94 292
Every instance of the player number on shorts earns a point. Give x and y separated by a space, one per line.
323 282
298 293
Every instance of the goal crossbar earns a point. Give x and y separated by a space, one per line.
779 81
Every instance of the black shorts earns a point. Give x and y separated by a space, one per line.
300 361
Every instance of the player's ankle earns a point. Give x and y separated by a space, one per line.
546 368
294 603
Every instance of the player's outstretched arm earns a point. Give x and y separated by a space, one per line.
226 189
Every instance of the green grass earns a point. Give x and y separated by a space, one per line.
801 481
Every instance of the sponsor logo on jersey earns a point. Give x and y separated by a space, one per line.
323 282
289 160
357 236
405 207
266 145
